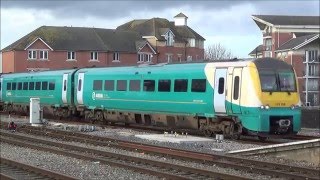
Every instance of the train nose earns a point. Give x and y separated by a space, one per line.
284 122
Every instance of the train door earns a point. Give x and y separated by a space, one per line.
1 84
64 88
80 88
236 90
219 90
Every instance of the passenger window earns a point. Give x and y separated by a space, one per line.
134 85
0 86
180 85
221 86
148 85
44 85
51 85
31 85
14 86
38 85
121 85
236 88
25 86
164 85
20 86
79 84
8 86
65 85
97 85
109 85
198 85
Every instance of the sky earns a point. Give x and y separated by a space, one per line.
226 22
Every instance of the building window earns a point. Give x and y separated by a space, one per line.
71 55
267 54
43 54
314 70
179 57
192 42
143 57
189 58
94 56
32 54
268 44
169 57
116 56
312 56
169 39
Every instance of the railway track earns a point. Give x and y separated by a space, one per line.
15 170
153 167
252 166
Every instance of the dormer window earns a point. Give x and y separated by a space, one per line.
94 56
169 38
32 54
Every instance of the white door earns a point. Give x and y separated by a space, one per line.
64 88
80 88
1 86
220 82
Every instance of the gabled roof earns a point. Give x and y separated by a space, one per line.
257 50
156 26
296 43
271 20
141 44
79 38
181 15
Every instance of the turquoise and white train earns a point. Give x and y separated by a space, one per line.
258 97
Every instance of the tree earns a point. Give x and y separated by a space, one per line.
217 52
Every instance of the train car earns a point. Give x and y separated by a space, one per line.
54 88
1 102
258 97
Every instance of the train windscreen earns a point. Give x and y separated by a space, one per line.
277 81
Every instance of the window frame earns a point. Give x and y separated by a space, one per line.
116 56
94 56
43 54
71 55
33 54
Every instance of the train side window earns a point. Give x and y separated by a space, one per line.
25 86
134 85
109 85
148 85
236 88
180 85
121 85
44 85
52 85
31 85
64 85
14 86
38 85
97 85
198 85
164 85
0 86
8 86
79 84
221 86
19 85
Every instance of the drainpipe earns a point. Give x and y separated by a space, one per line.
307 75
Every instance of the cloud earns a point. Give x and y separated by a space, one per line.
225 22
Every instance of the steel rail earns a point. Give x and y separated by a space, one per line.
28 170
161 169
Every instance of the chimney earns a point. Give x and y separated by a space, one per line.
180 20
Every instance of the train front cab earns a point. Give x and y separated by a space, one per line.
277 107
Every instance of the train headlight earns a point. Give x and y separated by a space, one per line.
262 106
267 107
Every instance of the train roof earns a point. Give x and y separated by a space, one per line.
39 73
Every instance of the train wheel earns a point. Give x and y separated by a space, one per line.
207 133
99 116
